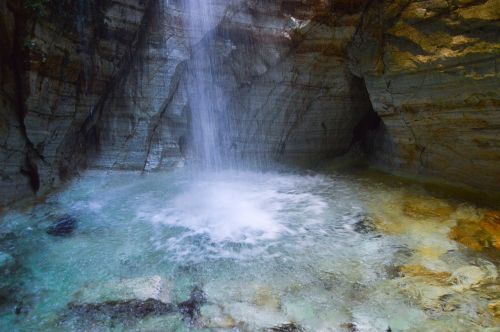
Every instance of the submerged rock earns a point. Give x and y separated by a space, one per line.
494 307
350 327
364 225
265 297
426 208
121 301
471 276
288 327
478 232
213 317
142 289
122 309
425 273
7 236
64 226
21 308
190 309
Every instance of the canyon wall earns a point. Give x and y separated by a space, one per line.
104 85
431 70
67 68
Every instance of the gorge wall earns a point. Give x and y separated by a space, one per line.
107 87
431 70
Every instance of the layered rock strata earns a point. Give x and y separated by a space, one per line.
105 86
431 70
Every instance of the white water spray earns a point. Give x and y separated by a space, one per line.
207 101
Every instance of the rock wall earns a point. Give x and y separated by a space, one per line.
282 66
145 117
431 70
292 95
105 85
13 142
62 63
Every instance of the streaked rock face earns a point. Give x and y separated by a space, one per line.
110 89
293 96
60 63
145 116
431 71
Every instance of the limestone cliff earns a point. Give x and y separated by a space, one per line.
285 71
431 70
60 63
105 85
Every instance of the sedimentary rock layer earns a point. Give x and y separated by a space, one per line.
106 86
432 75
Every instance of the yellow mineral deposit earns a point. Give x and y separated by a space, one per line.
266 297
479 230
425 274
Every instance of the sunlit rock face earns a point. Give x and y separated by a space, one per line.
431 71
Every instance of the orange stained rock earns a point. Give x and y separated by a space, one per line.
478 234
494 307
419 208
430 253
388 226
421 271
491 224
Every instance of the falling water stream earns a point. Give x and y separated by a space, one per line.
210 119
283 250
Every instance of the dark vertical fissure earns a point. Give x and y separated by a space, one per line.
364 133
17 61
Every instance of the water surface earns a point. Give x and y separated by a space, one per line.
325 251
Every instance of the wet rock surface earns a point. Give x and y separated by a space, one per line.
121 309
478 231
130 300
64 226
364 225
288 327
118 291
190 309
300 78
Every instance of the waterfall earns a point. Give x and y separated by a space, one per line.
210 118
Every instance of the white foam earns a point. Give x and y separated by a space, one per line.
245 207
